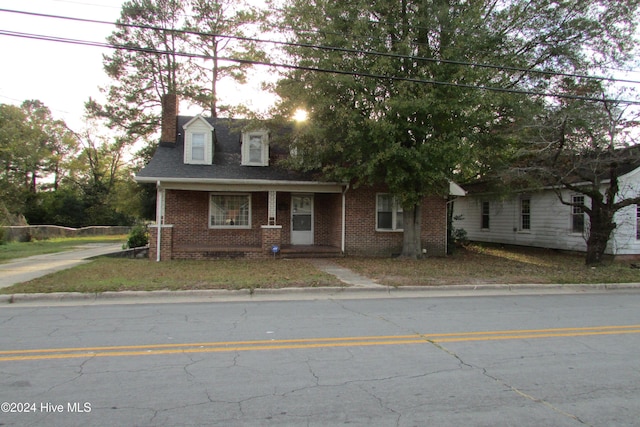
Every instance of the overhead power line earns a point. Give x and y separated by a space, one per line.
332 48
290 66
308 68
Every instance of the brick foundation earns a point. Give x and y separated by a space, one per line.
271 235
166 242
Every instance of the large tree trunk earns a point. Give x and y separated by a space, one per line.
601 227
213 103
412 224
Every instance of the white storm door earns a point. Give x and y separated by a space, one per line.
302 219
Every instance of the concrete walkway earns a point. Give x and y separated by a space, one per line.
344 274
25 269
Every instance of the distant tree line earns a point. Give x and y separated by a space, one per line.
50 174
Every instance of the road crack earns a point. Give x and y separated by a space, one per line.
462 363
506 385
533 398
382 403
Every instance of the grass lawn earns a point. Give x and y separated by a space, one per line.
14 250
115 274
473 265
478 264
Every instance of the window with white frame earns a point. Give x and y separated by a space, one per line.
255 148
230 210
525 214
389 214
577 214
485 215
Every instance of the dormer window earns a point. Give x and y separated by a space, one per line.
255 148
197 147
198 142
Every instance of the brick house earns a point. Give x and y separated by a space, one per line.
221 193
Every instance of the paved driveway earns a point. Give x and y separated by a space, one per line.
25 269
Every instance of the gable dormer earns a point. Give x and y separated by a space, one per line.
198 142
255 148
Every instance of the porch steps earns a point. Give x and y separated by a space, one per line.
312 251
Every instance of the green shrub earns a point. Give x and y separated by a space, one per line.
138 237
457 236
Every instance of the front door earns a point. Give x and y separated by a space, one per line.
302 219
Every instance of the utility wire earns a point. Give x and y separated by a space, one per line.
309 68
333 48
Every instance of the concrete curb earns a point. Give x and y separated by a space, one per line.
213 295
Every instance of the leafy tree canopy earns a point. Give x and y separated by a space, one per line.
407 99
585 147
33 146
50 174
172 46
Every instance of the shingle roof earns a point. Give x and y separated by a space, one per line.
168 161
576 170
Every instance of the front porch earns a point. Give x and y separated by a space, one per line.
297 224
271 246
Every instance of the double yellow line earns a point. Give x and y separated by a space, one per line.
308 343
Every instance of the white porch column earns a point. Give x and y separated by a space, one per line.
272 208
159 217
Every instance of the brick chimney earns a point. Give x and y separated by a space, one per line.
169 118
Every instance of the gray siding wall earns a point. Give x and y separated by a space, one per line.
625 241
551 223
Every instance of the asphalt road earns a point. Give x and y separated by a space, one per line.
547 360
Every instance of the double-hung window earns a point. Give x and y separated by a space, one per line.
230 210
525 214
255 148
388 213
197 147
485 215
577 214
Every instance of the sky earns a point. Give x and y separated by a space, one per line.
64 76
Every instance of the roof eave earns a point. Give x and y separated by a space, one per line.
456 190
209 184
